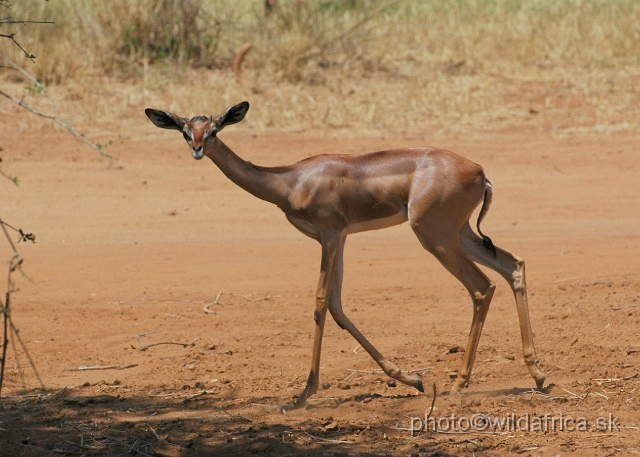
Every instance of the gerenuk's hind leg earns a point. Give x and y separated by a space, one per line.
443 244
511 268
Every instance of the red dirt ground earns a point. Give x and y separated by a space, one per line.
140 244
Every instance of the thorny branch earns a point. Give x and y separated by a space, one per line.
11 36
15 263
13 179
23 236
59 122
40 87
9 20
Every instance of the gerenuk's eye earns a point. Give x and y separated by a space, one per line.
186 136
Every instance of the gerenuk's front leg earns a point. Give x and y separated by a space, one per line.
335 308
329 283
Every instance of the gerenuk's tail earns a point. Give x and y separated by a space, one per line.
488 194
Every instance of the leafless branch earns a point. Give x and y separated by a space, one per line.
144 347
13 179
16 332
11 36
106 367
97 148
181 300
10 20
5 307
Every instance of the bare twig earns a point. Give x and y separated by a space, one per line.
547 396
149 333
9 329
197 302
15 331
13 179
569 392
6 305
249 297
618 308
139 338
149 416
43 89
154 432
579 397
106 367
244 418
18 366
601 395
426 421
59 122
361 371
433 402
325 440
144 347
5 340
26 74
11 36
626 378
585 395
264 405
200 394
184 345
10 20
215 302
60 392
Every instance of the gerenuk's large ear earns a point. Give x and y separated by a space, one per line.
232 115
165 120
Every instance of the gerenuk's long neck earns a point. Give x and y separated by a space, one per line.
269 184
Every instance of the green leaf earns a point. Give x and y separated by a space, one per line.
34 90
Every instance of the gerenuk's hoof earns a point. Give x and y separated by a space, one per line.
458 386
413 381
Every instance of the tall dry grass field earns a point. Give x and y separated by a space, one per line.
562 66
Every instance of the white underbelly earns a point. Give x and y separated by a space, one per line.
376 224
305 227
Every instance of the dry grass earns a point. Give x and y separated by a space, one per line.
556 65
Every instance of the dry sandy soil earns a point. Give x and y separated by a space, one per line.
128 252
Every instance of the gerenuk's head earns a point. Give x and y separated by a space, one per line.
199 129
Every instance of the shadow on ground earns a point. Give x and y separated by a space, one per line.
85 423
